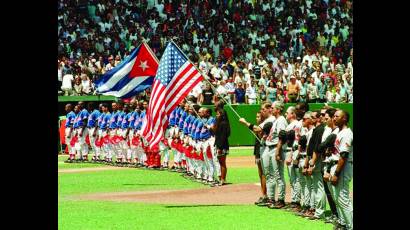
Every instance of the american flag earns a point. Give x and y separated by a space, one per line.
175 78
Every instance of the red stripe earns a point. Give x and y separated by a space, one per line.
180 84
156 113
183 95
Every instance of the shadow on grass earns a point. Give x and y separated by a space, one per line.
194 206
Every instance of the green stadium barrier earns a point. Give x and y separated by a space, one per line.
241 135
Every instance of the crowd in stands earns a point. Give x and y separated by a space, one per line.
249 50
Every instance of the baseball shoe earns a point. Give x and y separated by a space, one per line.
302 212
280 204
331 219
262 201
309 213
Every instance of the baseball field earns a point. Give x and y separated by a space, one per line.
97 196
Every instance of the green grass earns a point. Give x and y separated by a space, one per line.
123 215
80 214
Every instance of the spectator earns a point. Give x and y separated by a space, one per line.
207 96
292 89
250 95
239 96
222 92
78 88
271 92
261 94
312 92
67 84
303 90
86 85
280 96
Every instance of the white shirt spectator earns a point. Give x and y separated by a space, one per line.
196 91
230 87
222 90
309 58
251 94
67 82
86 86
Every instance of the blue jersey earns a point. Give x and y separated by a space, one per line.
105 121
187 123
125 121
192 128
205 132
79 120
172 118
182 120
198 129
93 118
121 116
177 115
70 119
113 120
132 119
140 120
100 119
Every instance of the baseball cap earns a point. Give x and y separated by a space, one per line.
298 58
292 76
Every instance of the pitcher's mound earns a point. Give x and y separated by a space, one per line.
227 194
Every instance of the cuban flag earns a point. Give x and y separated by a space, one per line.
130 77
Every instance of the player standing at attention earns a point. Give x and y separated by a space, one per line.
69 131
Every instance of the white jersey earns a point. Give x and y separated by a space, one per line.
329 131
344 143
279 124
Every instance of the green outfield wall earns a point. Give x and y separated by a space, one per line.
240 135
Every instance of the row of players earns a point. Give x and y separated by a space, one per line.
190 136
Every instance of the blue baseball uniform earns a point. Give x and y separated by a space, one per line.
93 119
70 117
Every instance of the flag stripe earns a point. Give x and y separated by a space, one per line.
184 92
146 81
176 85
159 105
184 80
123 72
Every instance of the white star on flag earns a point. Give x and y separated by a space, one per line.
143 65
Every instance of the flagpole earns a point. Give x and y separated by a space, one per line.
214 89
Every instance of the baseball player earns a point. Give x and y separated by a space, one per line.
341 170
180 159
69 131
199 142
330 129
98 137
266 147
118 136
104 134
314 168
277 156
186 147
123 135
293 135
210 157
306 180
132 133
300 152
92 129
142 152
174 135
112 130
81 132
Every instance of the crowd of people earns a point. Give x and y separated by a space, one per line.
250 51
198 141
316 147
